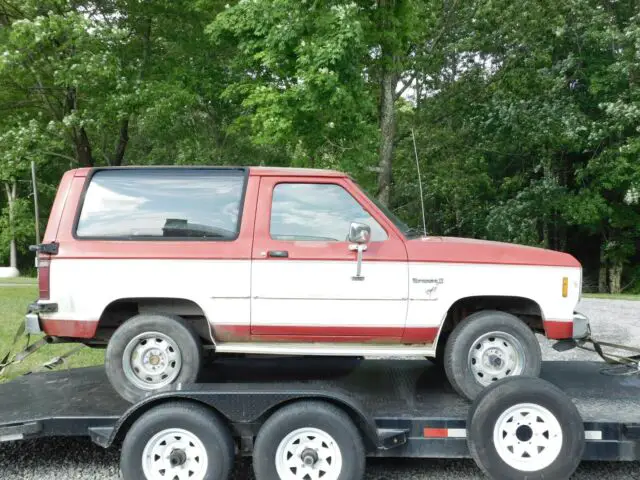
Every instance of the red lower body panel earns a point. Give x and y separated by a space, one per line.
558 330
329 334
69 328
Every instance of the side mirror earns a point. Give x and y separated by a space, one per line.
359 233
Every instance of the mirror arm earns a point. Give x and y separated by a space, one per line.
359 248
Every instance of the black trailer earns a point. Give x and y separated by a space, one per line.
308 416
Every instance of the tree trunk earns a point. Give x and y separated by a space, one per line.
388 84
547 172
83 148
545 232
602 277
81 142
387 133
615 278
122 143
11 199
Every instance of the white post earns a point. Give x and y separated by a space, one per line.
35 201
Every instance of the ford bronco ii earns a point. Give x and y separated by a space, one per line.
160 263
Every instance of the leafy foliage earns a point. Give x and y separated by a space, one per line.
526 114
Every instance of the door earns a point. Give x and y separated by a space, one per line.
304 285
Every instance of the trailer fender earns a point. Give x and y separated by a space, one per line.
244 409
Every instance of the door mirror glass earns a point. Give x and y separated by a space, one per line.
359 233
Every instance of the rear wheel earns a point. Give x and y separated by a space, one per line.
488 346
309 441
150 352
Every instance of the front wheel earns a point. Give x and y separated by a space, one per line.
309 440
488 346
149 352
178 440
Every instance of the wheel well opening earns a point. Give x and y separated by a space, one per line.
357 419
121 310
524 308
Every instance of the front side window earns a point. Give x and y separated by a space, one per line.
317 212
162 204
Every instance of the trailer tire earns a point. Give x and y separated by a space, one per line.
192 434
488 346
314 435
525 427
130 376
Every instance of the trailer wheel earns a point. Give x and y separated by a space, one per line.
488 346
149 352
309 440
524 427
177 441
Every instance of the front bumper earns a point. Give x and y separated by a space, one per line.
581 331
577 328
581 326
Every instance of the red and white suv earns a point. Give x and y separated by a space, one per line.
158 263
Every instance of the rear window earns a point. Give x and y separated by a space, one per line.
162 204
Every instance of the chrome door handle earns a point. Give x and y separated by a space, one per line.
278 254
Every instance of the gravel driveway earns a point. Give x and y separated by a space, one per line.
73 459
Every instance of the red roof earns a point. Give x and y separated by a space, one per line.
259 171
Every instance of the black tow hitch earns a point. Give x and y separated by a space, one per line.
565 345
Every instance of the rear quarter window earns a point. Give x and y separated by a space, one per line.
150 204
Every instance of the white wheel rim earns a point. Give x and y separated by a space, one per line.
151 360
528 437
174 454
496 355
308 454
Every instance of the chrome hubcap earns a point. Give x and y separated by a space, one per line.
528 437
308 454
174 454
496 355
151 360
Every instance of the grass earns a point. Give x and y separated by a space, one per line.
608 296
13 305
19 281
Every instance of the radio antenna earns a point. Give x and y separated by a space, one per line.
415 150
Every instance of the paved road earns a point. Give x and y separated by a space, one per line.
73 459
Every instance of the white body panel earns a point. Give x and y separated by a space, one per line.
323 293
306 293
83 288
434 287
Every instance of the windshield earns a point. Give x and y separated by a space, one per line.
406 230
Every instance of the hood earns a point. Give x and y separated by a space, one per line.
466 250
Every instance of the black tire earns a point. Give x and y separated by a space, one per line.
496 400
309 414
463 340
195 419
174 327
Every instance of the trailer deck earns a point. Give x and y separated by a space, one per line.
411 396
